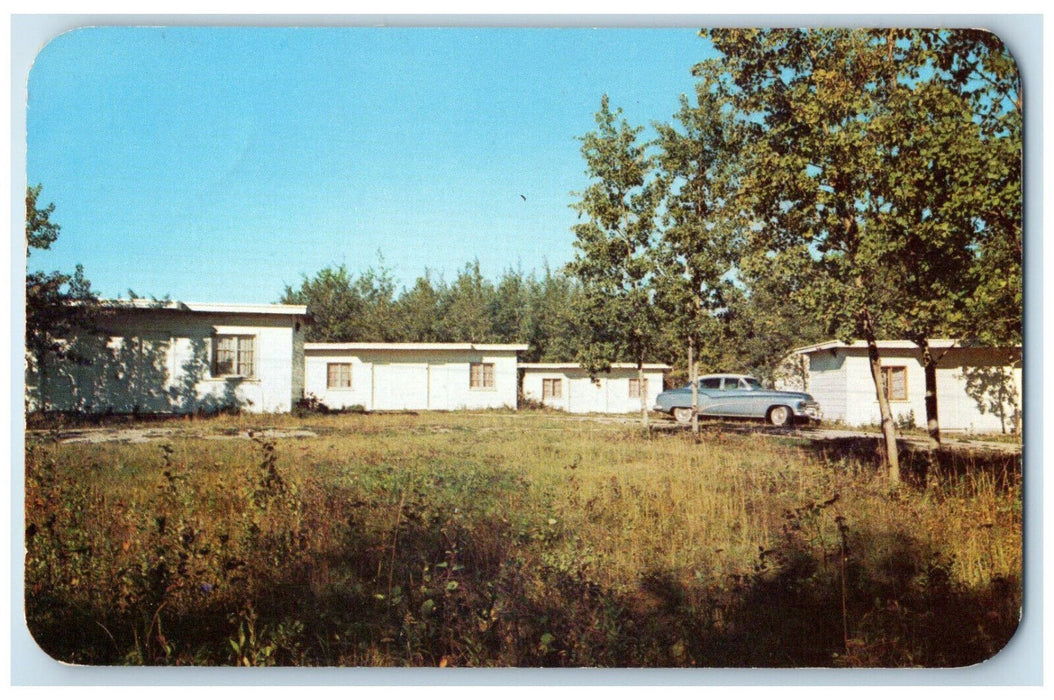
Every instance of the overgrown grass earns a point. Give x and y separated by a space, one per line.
496 539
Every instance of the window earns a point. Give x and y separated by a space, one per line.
634 388
750 384
338 375
710 383
552 389
895 383
481 375
235 356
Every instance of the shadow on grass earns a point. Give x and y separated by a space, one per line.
918 464
445 593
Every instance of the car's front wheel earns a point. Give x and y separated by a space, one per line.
682 414
780 416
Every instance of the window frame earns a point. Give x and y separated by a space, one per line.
887 372
555 388
636 382
237 361
486 379
330 366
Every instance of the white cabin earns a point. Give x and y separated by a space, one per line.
176 357
412 376
978 388
568 387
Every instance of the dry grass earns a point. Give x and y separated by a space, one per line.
514 540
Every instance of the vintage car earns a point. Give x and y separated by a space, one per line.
738 396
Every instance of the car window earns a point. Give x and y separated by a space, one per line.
749 383
710 383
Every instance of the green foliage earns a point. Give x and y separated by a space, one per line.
874 153
60 307
465 311
519 308
698 245
347 308
616 313
41 231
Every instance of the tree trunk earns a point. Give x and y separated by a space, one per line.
643 391
694 379
889 431
929 366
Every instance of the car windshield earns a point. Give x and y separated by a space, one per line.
750 383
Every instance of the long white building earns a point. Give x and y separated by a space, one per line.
412 376
568 387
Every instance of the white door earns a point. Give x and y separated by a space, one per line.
400 387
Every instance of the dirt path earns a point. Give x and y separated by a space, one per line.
144 435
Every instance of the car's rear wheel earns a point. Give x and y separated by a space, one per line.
682 414
780 416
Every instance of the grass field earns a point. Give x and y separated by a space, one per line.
530 539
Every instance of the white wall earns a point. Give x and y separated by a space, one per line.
581 395
394 379
827 384
173 373
840 380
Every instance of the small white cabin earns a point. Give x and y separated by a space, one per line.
568 387
978 388
412 376
176 357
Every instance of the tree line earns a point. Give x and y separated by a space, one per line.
519 307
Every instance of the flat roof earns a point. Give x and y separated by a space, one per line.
210 307
577 365
935 343
480 347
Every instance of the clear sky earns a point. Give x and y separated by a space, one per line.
222 164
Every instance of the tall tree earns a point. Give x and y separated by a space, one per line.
697 247
812 96
864 163
613 261
59 306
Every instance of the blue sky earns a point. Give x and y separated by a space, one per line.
221 164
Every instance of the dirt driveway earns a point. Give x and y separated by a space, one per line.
142 435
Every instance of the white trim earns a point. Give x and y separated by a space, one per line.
576 366
208 308
935 343
461 347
